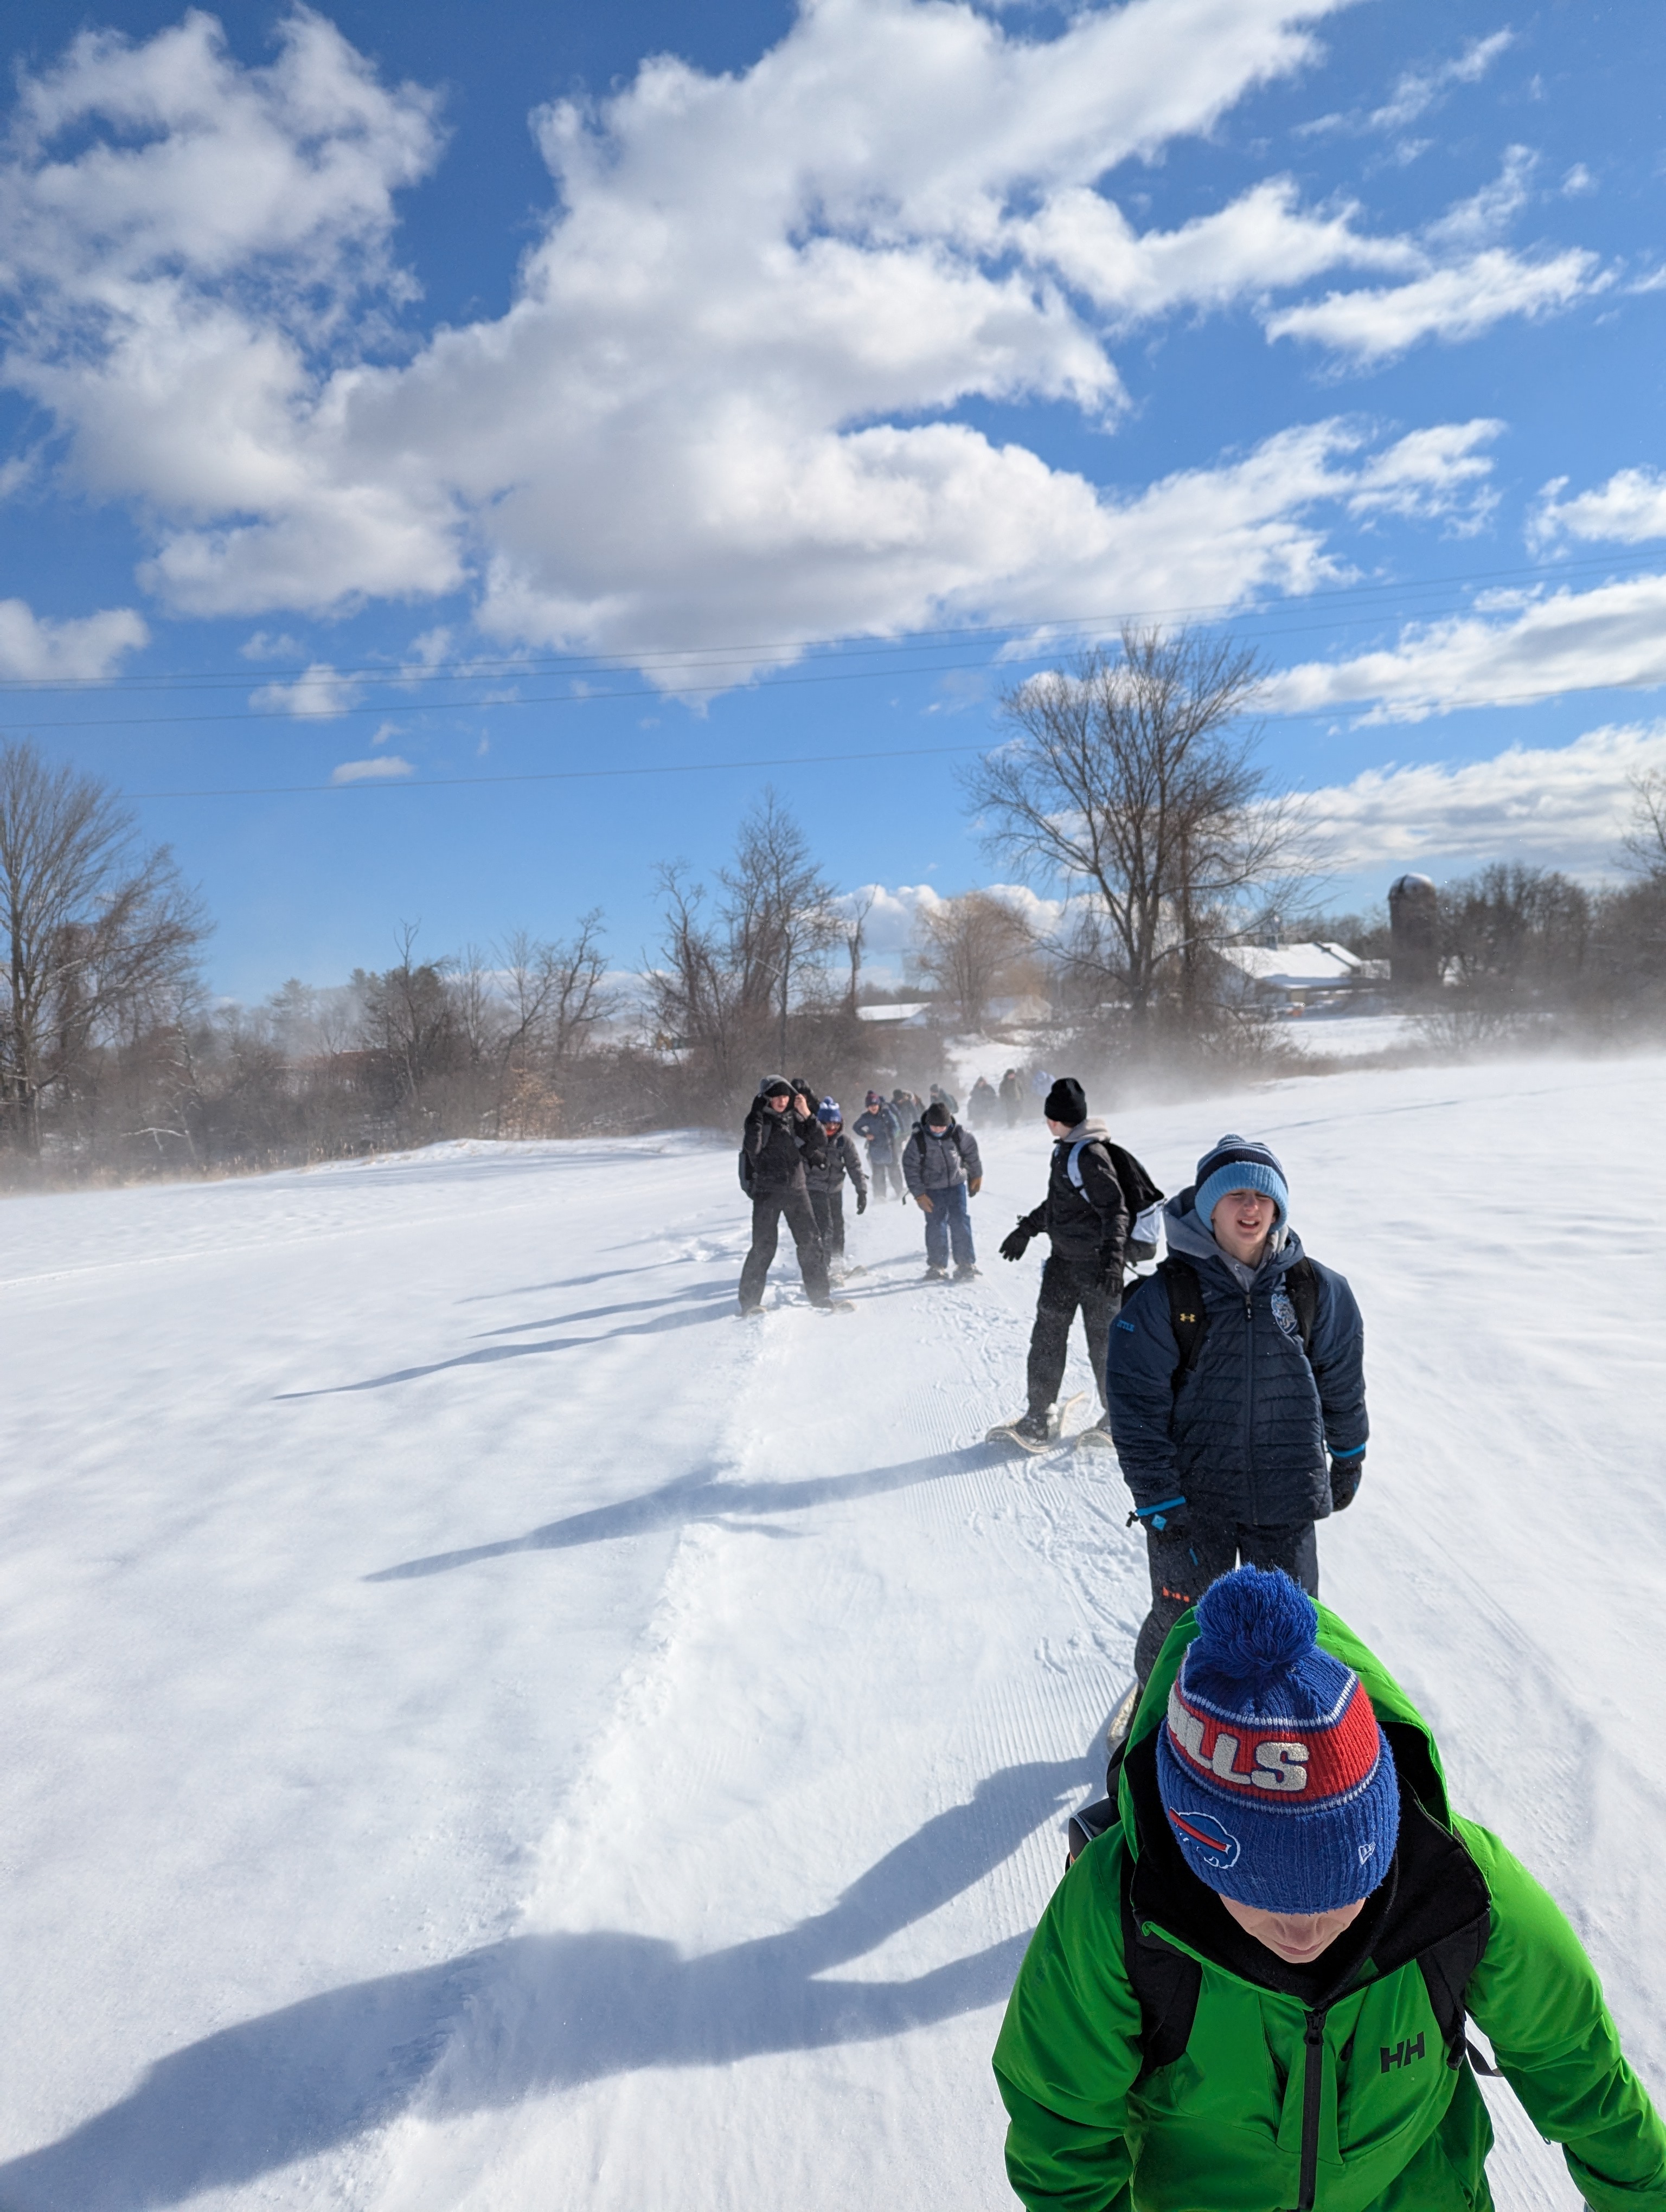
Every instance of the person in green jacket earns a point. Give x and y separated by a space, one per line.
1249 1993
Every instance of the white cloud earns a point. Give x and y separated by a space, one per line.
891 928
1628 510
319 694
1578 179
1262 240
1613 635
1486 214
710 402
385 768
1419 90
1564 806
34 649
1461 301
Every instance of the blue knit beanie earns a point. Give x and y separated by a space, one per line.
828 1113
1279 1784
1239 1163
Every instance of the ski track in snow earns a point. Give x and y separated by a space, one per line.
489 1730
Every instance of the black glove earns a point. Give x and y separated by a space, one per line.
1168 1517
1345 1475
861 1201
1014 1247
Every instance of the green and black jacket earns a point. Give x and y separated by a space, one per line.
1331 2087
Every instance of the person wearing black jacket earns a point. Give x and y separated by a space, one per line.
781 1138
1086 1214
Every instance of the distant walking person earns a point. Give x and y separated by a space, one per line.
1236 1387
880 1127
1011 1096
981 1106
942 1168
825 1183
781 1138
1086 1214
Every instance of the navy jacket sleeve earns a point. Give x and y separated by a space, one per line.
1338 1355
1138 1374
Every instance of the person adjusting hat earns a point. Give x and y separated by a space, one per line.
1249 1992
1235 1390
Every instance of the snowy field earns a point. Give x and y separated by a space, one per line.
485 1728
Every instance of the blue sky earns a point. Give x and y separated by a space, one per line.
450 431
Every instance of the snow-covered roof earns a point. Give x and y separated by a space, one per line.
904 1013
1293 967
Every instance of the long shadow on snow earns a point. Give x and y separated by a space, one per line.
704 1293
697 1498
693 1318
537 2013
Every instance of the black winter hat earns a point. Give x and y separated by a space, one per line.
938 1115
1065 1102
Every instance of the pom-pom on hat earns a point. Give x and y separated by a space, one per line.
1239 1163
829 1114
1065 1102
1279 1784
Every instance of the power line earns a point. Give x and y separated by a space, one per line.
709 767
479 669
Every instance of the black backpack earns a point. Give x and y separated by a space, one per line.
1189 1319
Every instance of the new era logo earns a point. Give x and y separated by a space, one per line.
1402 2052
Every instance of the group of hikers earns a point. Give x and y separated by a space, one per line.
1251 1990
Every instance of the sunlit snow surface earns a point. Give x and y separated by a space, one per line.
486 1727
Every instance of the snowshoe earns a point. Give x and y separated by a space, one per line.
935 1275
1096 1437
967 1274
840 1305
1034 1432
850 1272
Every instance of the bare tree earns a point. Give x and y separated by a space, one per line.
99 932
1129 781
963 945
853 928
779 909
1644 845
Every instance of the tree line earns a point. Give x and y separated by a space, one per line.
1126 787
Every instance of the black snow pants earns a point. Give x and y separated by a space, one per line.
1067 1285
887 1175
1183 1567
768 1208
828 1205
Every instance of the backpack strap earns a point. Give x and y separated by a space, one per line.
1073 1166
1303 1285
1446 1968
1167 1983
1187 1317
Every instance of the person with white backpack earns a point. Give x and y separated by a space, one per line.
1094 1193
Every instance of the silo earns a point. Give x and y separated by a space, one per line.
1414 931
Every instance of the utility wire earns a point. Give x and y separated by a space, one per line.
708 767
477 668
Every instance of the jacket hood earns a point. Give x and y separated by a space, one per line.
1085 1132
1190 1238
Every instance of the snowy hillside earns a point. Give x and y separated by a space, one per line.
485 1728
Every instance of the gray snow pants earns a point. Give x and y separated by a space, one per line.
1183 1567
768 1208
